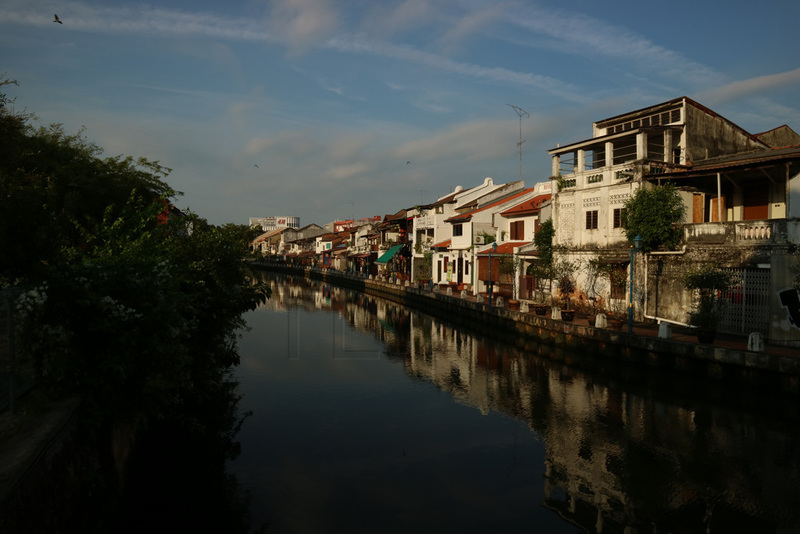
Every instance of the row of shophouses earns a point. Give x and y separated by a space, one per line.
742 197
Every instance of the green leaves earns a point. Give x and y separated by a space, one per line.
653 214
543 239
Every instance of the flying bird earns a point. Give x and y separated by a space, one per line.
408 163
56 19
256 166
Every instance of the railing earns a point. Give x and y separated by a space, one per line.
761 232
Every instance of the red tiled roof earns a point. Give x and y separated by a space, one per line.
504 248
529 207
467 216
443 244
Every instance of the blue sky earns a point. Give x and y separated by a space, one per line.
331 99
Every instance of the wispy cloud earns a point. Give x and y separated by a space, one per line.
468 25
141 19
750 87
358 44
344 172
579 34
298 24
385 20
469 141
303 23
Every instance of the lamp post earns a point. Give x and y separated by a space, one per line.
637 245
491 284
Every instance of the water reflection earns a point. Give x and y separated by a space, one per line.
611 450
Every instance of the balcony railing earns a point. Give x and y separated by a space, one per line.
744 233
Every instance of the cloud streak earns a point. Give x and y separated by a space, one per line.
753 86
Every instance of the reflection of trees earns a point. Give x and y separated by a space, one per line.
624 449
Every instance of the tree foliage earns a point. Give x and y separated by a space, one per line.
543 239
711 282
130 309
654 215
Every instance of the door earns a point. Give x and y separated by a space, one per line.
697 208
716 206
756 202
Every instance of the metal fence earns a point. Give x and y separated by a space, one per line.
16 376
748 302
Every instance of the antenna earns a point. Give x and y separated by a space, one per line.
520 112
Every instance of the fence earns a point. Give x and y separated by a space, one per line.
16 378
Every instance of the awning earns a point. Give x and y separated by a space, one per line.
389 254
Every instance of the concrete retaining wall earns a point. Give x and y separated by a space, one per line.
716 362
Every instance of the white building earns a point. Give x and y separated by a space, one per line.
268 224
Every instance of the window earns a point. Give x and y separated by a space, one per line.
518 230
458 230
591 220
618 214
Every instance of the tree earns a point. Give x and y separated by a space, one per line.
131 311
710 282
55 188
543 239
654 214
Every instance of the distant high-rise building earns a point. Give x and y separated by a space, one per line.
268 224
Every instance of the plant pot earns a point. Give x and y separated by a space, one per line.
591 319
706 336
567 315
616 324
513 304
540 309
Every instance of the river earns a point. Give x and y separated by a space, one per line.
371 417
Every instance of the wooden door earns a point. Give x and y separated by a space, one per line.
697 208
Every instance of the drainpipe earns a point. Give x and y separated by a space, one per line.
680 252
719 198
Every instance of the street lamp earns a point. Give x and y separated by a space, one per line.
637 244
491 284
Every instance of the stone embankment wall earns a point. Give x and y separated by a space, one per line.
717 362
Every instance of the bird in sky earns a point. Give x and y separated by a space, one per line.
408 163
56 19
256 166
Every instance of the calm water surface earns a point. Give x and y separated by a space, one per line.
370 417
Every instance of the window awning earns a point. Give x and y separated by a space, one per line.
389 254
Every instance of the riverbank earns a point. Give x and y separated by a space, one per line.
727 358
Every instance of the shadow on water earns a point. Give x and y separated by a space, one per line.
626 448
178 480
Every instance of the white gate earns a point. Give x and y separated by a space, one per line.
748 302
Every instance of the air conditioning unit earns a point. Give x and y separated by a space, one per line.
478 240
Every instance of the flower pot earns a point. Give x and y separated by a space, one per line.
540 309
567 315
591 319
616 324
513 304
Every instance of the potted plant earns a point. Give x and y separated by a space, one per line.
542 276
709 282
618 312
564 271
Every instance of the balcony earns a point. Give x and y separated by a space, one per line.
774 232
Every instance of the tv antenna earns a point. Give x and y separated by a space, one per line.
520 112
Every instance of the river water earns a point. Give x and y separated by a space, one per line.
371 417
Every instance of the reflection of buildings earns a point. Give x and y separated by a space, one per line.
618 457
